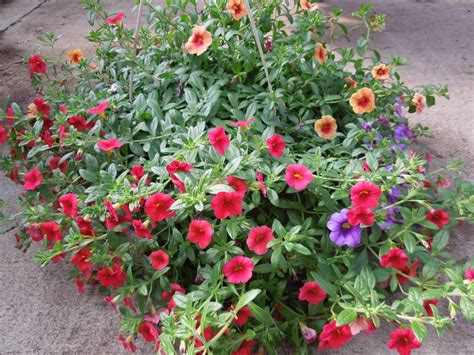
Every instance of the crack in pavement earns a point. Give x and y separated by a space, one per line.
23 16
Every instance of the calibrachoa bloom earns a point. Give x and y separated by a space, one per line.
200 233
227 204
362 101
403 340
438 217
298 176
244 124
258 238
360 215
219 139
312 293
237 184
427 307
174 167
276 145
52 231
469 274
157 207
395 258
199 41
238 270
242 316
75 55
326 127
306 5
237 9
115 20
342 232
333 336
362 324
159 259
112 277
366 194
261 184
148 331
68 203
109 145
32 179
82 262
99 109
320 53
141 229
381 72
37 64
419 102
3 135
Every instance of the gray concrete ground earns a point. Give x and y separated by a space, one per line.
40 310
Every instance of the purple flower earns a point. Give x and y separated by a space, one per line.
398 106
383 121
342 233
402 131
402 147
309 334
367 126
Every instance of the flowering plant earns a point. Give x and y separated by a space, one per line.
232 179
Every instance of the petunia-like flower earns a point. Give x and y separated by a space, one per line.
175 166
360 215
362 324
109 145
159 259
427 307
75 55
469 274
362 101
242 316
443 182
42 107
141 229
127 343
395 258
409 270
312 293
326 127
298 176
137 171
52 231
32 179
237 184
402 131
276 145
261 184
238 270
82 262
306 5
54 164
37 64
352 83
419 102
34 230
438 217
200 233
226 204
244 124
342 232
365 193
80 123
237 9
333 336
99 109
404 341
68 203
157 207
309 334
148 331
3 135
115 20
320 53
258 238
245 348
381 72
219 139
112 277
199 41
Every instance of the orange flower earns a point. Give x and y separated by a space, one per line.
306 5
381 72
237 9
32 111
199 41
326 127
75 55
363 100
320 53
419 102
352 83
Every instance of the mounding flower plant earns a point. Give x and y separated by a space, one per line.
233 179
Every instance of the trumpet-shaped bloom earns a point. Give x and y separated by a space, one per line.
157 207
342 232
326 127
219 139
362 101
320 53
236 9
403 340
200 233
306 5
237 184
298 176
99 109
360 215
419 102
394 258
276 145
75 55
199 41
438 217
333 336
109 145
37 64
115 20
381 72
68 203
365 193
159 259
238 269
32 179
226 204
258 238
312 293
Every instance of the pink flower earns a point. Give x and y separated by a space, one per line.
276 145
469 274
237 184
200 233
109 145
3 135
199 41
157 207
404 340
137 171
312 293
115 20
141 229
243 124
32 179
298 176
258 238
227 204
360 215
261 184
175 166
309 334
238 270
333 337
394 258
159 259
68 203
99 109
219 139
365 193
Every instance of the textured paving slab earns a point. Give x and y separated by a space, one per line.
12 11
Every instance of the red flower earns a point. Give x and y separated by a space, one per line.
79 123
54 164
68 203
245 348
127 343
427 307
395 258
227 204
219 140
258 239
312 293
469 274
276 145
243 124
200 233
409 270
238 269
242 316
112 277
115 20
159 259
37 64
137 171
34 230
360 215
52 231
175 166
174 288
109 145
32 179
3 135
404 340
141 229
261 184
79 285
237 184
82 262
298 176
42 107
85 226
148 331
365 193
438 217
157 207
333 336
99 109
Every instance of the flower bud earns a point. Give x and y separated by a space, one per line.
309 334
79 154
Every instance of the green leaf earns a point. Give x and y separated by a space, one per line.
325 284
440 240
345 317
142 290
420 330
247 297
262 315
